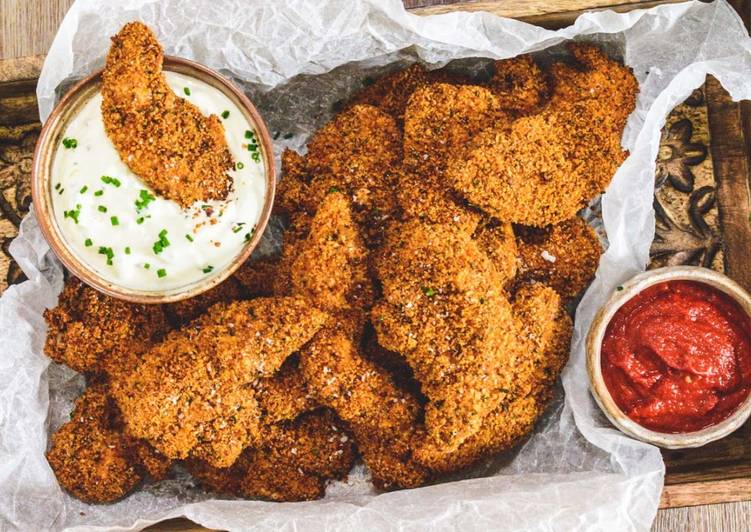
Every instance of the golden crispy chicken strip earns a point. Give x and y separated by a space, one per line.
382 417
497 240
444 310
548 165
292 463
564 256
545 330
191 394
439 121
164 139
330 267
99 335
284 396
93 459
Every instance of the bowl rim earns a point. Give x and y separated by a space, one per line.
598 388
41 174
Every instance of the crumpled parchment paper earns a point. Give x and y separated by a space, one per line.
296 59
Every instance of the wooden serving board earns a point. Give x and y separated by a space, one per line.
701 198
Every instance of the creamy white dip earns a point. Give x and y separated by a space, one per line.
95 199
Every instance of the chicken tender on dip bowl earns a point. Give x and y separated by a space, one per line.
154 178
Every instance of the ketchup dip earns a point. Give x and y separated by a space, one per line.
676 358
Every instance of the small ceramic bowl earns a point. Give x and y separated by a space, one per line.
41 172
594 342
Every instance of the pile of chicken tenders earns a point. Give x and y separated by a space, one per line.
415 318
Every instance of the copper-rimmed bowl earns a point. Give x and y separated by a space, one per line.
41 184
596 335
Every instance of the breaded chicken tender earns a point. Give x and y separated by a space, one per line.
497 240
164 139
182 312
99 335
548 165
545 330
381 416
191 394
93 459
519 85
439 121
292 463
444 310
564 256
330 267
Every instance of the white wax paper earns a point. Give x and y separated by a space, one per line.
295 59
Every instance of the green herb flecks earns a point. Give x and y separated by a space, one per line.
114 220
162 243
83 189
102 208
139 220
240 165
288 135
208 269
73 214
147 266
225 114
98 193
88 243
186 90
107 252
238 227
144 198
70 143
127 250
190 238
161 272
107 180
428 291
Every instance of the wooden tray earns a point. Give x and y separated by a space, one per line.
702 200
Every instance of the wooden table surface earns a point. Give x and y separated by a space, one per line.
27 28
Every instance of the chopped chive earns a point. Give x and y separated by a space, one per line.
288 135
162 243
102 208
334 189
249 235
190 238
430 292
84 189
208 269
107 252
186 90
73 214
619 288
248 134
98 193
139 220
147 266
70 143
144 198
161 272
225 114
88 242
238 227
61 191
240 165
127 250
107 180
114 220
256 157
57 187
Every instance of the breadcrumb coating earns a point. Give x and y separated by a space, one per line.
191 394
564 256
292 463
93 459
545 330
445 311
548 165
519 85
390 93
162 138
381 416
99 335
284 396
499 244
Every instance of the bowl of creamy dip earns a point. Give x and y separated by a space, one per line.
117 234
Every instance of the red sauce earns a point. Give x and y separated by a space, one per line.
677 357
